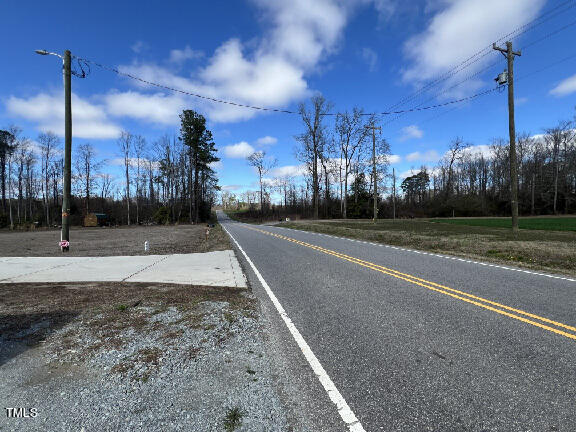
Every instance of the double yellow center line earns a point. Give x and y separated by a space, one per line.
517 314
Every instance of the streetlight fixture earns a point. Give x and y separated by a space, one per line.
66 189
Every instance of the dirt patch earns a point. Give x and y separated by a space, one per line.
128 356
163 240
30 313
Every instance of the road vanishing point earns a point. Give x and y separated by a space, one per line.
388 339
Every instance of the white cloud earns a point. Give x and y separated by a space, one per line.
385 8
427 156
266 140
460 29
218 165
271 71
565 87
240 150
370 57
394 159
289 171
180 56
47 110
407 173
410 132
133 162
478 150
157 108
139 46
232 187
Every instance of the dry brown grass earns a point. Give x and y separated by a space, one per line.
552 251
32 311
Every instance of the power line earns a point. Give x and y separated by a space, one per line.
521 77
452 102
458 68
548 35
109 68
495 63
556 63
273 109
479 55
446 90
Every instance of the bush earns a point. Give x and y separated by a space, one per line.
162 216
3 220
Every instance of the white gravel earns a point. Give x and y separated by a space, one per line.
172 373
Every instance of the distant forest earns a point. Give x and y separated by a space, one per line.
469 180
167 180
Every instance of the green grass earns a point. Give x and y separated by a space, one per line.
539 223
233 419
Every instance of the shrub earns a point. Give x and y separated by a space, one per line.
162 215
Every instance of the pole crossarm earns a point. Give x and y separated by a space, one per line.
505 50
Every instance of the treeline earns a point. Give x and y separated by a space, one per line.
472 182
337 181
167 180
338 169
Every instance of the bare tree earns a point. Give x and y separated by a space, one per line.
86 168
48 146
139 149
352 135
557 138
263 166
106 181
125 144
312 140
455 152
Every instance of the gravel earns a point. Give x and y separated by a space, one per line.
147 368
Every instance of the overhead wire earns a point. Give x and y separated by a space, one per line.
390 111
530 44
479 55
134 77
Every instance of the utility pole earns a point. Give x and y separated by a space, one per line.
375 189
533 186
66 186
510 54
393 194
66 190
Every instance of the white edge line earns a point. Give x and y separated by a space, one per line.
344 410
519 270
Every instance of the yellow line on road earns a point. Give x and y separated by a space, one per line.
454 293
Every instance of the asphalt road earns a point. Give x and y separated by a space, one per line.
417 342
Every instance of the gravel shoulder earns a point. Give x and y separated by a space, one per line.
108 356
136 357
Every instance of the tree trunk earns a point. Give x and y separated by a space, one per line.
127 192
196 191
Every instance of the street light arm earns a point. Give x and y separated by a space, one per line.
44 52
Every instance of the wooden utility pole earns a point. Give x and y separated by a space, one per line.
374 178
66 187
533 186
393 194
509 54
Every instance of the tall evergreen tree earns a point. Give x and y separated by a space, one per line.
201 152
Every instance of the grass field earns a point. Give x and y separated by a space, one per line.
532 223
553 251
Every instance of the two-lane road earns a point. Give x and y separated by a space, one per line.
408 341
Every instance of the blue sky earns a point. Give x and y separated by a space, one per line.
365 53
